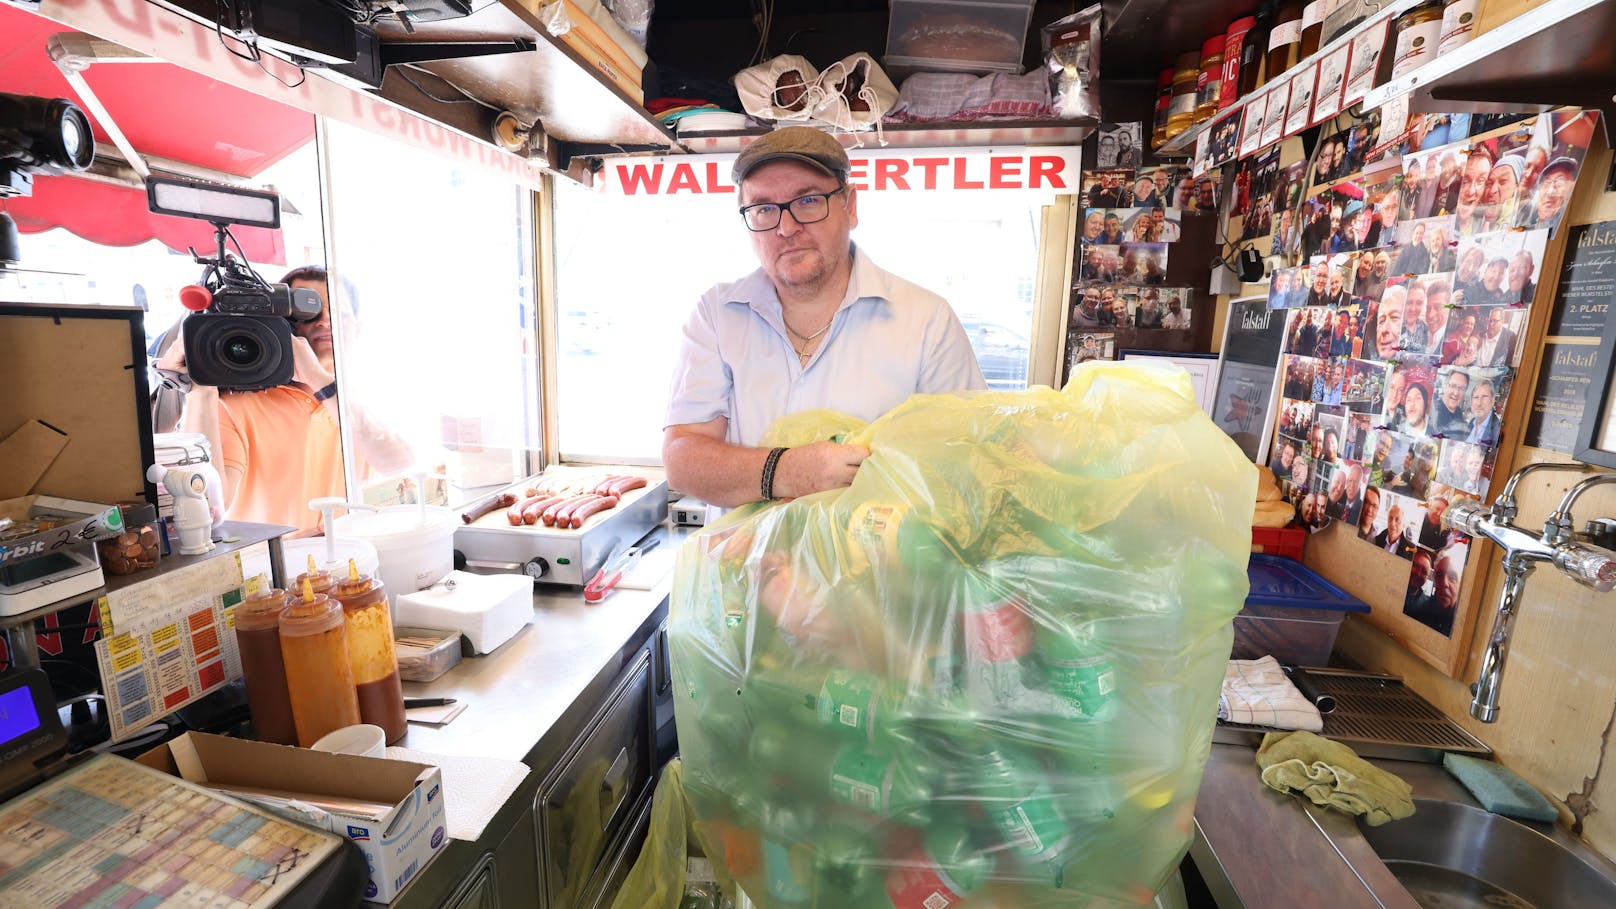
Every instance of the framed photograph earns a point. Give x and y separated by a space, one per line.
1202 367
1248 377
1300 109
1332 81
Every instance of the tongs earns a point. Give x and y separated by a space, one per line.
617 564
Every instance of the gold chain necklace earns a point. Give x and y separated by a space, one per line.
807 340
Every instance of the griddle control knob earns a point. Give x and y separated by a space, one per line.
536 568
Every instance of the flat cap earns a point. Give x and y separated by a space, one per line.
1569 165
803 144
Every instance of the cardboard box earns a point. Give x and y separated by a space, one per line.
393 810
72 523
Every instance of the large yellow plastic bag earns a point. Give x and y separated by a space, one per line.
658 878
984 674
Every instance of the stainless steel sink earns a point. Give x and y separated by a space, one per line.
1452 856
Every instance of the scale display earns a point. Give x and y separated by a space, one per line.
18 717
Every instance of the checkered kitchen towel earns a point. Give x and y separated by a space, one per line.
1258 693
955 97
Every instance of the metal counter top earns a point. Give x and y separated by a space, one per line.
515 695
1263 850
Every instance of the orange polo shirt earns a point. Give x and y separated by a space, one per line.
288 448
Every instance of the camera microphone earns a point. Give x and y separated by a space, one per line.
195 297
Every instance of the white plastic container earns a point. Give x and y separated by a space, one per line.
255 561
414 543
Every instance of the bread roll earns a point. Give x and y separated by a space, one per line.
951 36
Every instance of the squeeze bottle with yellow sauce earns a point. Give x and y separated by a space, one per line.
370 652
314 649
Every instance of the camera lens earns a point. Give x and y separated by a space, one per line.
241 351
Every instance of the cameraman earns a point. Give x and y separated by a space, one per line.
280 447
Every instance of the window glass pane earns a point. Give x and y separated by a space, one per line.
629 269
440 348
628 272
60 267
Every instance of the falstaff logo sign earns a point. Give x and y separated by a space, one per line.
1053 170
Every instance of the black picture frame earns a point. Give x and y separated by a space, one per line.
1595 411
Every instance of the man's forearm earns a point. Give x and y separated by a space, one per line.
715 471
202 416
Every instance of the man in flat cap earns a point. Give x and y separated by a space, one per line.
818 325
1553 193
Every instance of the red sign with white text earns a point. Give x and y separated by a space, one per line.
1051 170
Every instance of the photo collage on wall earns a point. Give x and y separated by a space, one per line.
1130 220
1402 323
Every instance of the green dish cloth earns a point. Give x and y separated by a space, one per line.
1330 774
1499 789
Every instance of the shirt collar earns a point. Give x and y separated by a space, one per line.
867 282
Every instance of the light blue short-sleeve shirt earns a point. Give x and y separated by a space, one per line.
888 340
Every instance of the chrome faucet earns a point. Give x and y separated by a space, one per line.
1559 543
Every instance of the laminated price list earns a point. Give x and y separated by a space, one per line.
168 643
116 833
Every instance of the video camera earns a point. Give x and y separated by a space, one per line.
40 136
239 334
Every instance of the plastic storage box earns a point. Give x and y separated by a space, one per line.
956 36
1291 613
425 653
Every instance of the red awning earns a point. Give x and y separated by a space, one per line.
117 216
165 111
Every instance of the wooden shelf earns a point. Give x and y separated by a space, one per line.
1559 53
245 535
921 135
551 85
1183 144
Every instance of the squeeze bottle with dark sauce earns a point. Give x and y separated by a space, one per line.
258 638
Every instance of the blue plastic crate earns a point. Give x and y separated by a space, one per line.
1291 613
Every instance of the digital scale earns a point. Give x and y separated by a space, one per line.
31 732
48 579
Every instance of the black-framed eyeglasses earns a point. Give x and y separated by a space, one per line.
809 209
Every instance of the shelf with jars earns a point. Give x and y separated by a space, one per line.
1293 42
1557 54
